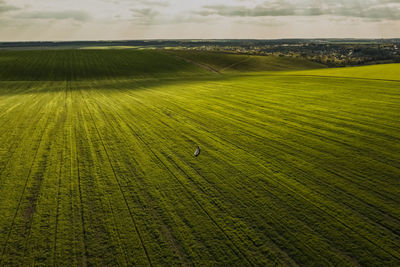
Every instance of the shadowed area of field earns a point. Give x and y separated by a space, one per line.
98 168
226 63
73 65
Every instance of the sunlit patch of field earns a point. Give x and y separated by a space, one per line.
378 72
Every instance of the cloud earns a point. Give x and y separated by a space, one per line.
378 10
242 11
127 19
76 15
4 7
155 3
139 2
144 12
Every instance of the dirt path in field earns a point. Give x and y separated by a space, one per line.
201 65
236 63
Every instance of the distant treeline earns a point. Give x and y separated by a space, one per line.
332 52
196 43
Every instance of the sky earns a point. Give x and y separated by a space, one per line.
56 20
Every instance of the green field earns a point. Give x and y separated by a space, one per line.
97 166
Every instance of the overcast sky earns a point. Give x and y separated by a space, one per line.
191 19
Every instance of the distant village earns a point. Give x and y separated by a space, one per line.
328 53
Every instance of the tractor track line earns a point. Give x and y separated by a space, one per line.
73 148
134 132
117 180
81 203
178 249
34 204
238 253
59 180
223 139
116 229
318 207
213 186
23 192
195 183
95 182
343 124
57 210
75 248
201 65
256 135
330 215
240 119
14 146
236 63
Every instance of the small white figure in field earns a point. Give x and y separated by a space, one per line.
197 152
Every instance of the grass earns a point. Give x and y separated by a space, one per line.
97 166
223 62
111 47
78 65
378 72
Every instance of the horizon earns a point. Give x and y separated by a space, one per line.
194 40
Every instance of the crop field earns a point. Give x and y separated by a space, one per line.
298 167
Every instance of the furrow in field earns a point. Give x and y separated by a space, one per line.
143 119
265 105
119 185
221 163
23 199
272 128
269 128
81 209
96 189
285 106
236 249
47 227
94 212
188 112
119 238
123 131
41 193
110 119
69 248
203 135
62 162
54 259
12 143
